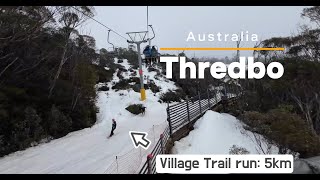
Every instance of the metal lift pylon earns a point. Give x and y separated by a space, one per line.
138 42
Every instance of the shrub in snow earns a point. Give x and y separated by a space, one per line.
123 84
33 144
137 87
135 108
134 79
131 70
119 74
238 150
134 73
173 96
103 74
156 77
103 88
120 61
42 141
150 69
46 140
134 83
123 69
159 73
154 88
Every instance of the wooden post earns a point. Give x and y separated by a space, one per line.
117 164
188 110
219 95
227 91
149 158
231 91
169 120
162 145
216 97
199 101
208 99
224 97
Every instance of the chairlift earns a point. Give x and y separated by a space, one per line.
151 53
112 52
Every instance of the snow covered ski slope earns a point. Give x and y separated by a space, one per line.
89 150
216 133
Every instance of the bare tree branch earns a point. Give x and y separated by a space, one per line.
12 62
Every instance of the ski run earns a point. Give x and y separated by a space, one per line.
89 150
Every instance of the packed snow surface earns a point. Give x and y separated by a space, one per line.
89 150
216 133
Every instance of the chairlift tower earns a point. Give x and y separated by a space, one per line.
142 36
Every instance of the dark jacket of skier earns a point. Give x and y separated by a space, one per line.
114 126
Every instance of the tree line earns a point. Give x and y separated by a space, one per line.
48 74
285 111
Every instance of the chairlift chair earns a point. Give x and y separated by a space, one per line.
151 52
112 52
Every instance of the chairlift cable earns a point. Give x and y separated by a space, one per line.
100 23
148 20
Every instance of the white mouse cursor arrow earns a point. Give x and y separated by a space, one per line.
139 139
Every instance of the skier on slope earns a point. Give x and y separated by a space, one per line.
114 125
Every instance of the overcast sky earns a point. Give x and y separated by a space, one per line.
173 24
